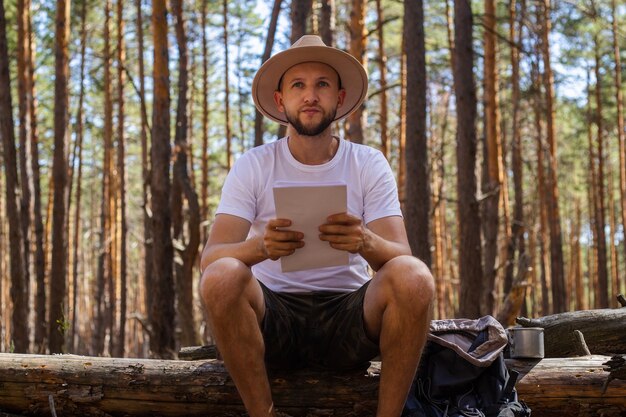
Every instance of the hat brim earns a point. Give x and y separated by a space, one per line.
351 72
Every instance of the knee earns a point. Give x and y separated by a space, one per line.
408 277
223 282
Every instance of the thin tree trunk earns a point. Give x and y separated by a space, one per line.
470 269
577 261
162 313
417 204
58 284
602 291
402 138
619 99
516 243
24 115
204 187
121 174
382 68
19 326
78 154
145 164
227 121
614 282
358 42
327 21
492 175
556 241
182 186
104 272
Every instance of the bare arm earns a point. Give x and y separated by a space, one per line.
228 239
378 242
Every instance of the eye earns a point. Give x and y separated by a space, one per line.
297 84
323 84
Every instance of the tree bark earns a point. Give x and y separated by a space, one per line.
358 43
604 331
227 121
470 269
621 135
327 22
556 240
269 43
417 203
121 174
385 145
492 174
162 312
19 326
204 187
90 386
182 186
58 305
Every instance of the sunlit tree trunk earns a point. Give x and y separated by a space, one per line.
492 175
121 173
269 43
602 291
104 272
58 310
556 240
619 100
19 326
470 269
78 158
614 282
577 273
145 162
204 187
358 43
402 136
162 312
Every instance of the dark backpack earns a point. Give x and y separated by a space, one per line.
462 373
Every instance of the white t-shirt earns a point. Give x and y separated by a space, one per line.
372 194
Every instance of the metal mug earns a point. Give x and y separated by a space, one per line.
526 342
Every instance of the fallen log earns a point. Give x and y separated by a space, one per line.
71 385
604 331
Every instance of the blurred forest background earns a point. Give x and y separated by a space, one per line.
119 120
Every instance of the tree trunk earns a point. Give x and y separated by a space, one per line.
621 135
300 11
358 42
204 187
104 259
24 115
470 269
78 154
417 203
556 241
577 261
121 174
602 291
143 387
227 121
402 138
182 186
614 282
58 310
382 68
162 312
327 22
492 175
19 326
269 43
145 164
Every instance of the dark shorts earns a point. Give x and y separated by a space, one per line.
320 330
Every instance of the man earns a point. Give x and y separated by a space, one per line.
333 317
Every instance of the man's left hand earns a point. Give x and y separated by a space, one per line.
345 232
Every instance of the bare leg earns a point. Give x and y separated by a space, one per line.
397 311
235 307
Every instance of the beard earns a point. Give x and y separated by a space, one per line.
313 130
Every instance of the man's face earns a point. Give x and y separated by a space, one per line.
309 97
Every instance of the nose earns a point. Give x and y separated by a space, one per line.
310 96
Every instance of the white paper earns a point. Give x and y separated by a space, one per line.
308 205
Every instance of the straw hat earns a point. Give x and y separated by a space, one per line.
309 48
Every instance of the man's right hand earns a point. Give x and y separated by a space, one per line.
278 241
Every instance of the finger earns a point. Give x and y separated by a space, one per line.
274 223
343 218
285 235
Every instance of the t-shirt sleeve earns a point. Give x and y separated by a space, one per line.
238 193
381 191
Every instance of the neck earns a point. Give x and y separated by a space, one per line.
312 150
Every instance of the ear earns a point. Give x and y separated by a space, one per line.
278 100
341 96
